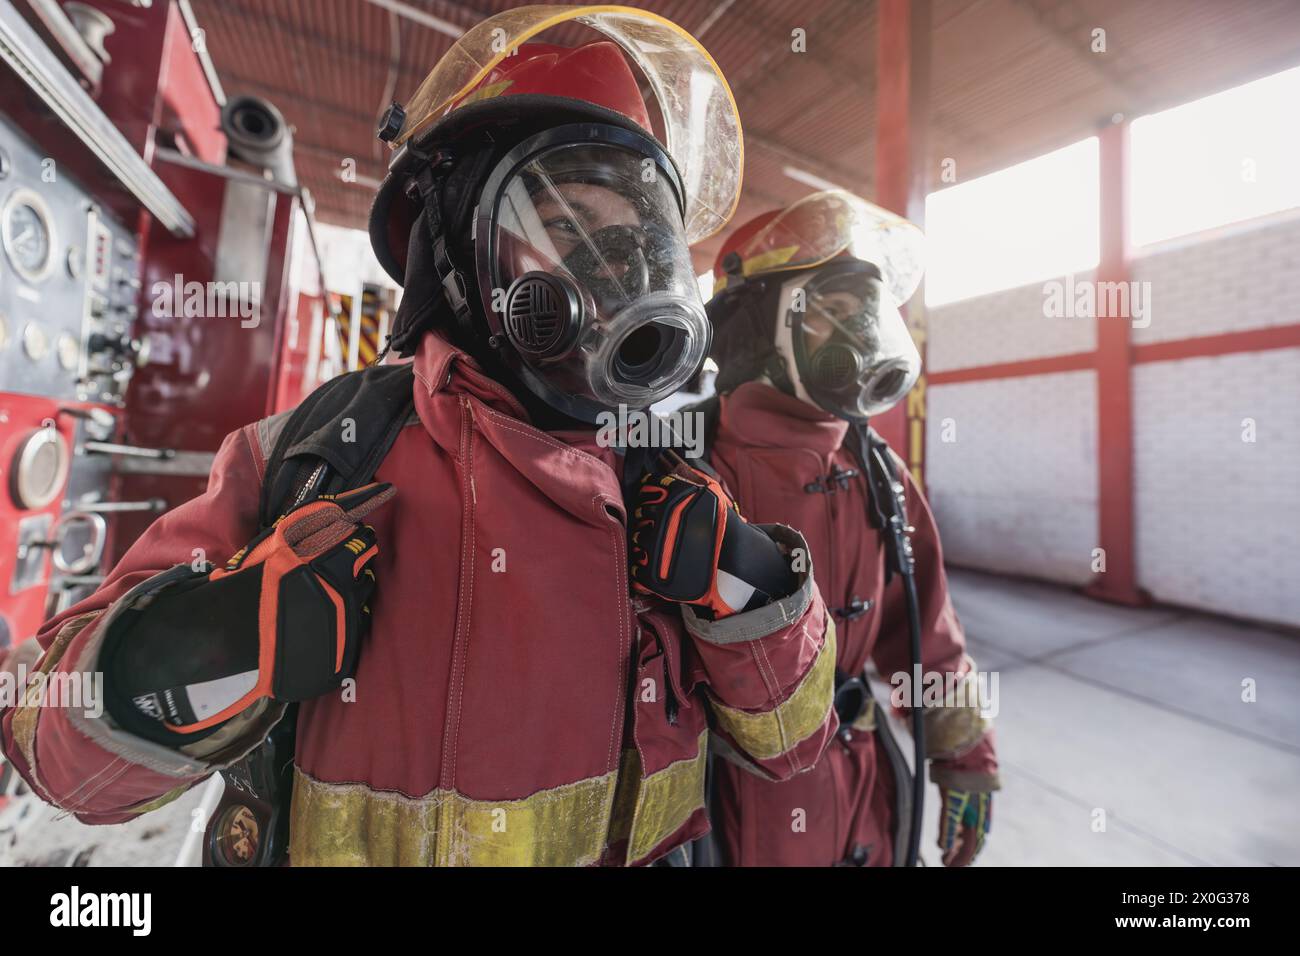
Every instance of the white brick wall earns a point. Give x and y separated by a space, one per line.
1006 326
1244 277
1218 519
1017 491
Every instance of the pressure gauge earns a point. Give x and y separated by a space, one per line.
35 342
68 350
39 469
28 234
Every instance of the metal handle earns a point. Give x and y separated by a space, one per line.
112 507
112 448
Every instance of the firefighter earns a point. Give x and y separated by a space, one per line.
512 646
810 344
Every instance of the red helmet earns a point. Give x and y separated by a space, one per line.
595 72
821 227
735 247
846 347
494 77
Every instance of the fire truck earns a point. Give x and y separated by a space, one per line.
160 286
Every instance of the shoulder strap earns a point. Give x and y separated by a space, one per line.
337 437
711 410
313 454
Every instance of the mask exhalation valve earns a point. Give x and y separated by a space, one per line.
836 367
542 314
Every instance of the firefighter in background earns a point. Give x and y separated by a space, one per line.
810 343
516 699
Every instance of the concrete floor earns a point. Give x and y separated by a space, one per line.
1137 713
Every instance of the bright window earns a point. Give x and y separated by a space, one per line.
1034 221
1231 156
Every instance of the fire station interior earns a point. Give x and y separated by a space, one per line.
184 192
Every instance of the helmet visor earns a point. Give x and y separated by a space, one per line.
820 227
701 123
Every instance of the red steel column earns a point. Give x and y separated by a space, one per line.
902 104
1115 510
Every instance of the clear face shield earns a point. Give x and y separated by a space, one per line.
853 352
589 284
701 126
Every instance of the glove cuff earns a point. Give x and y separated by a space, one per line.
950 779
753 571
975 770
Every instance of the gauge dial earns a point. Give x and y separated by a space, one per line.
27 234
35 342
69 351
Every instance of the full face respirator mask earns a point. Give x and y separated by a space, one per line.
831 271
585 273
852 351
602 162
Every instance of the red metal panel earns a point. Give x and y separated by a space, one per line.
20 415
186 107
208 374
129 92
295 378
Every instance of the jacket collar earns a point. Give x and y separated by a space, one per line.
441 367
567 467
756 413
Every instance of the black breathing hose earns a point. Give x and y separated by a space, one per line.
918 723
891 515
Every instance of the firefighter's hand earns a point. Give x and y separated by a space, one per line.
284 619
965 818
689 544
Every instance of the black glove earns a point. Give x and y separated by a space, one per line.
283 619
690 545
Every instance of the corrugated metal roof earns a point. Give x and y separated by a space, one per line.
1010 78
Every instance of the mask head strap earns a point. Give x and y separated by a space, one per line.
428 182
744 316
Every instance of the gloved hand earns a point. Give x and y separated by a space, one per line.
283 619
965 818
690 545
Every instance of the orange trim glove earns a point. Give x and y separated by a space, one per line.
690 545
284 618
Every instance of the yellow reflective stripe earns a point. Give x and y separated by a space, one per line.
23 725
771 733
767 261
24 730
487 92
150 805
350 824
651 809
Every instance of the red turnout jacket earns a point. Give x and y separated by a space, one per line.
768 447
513 703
